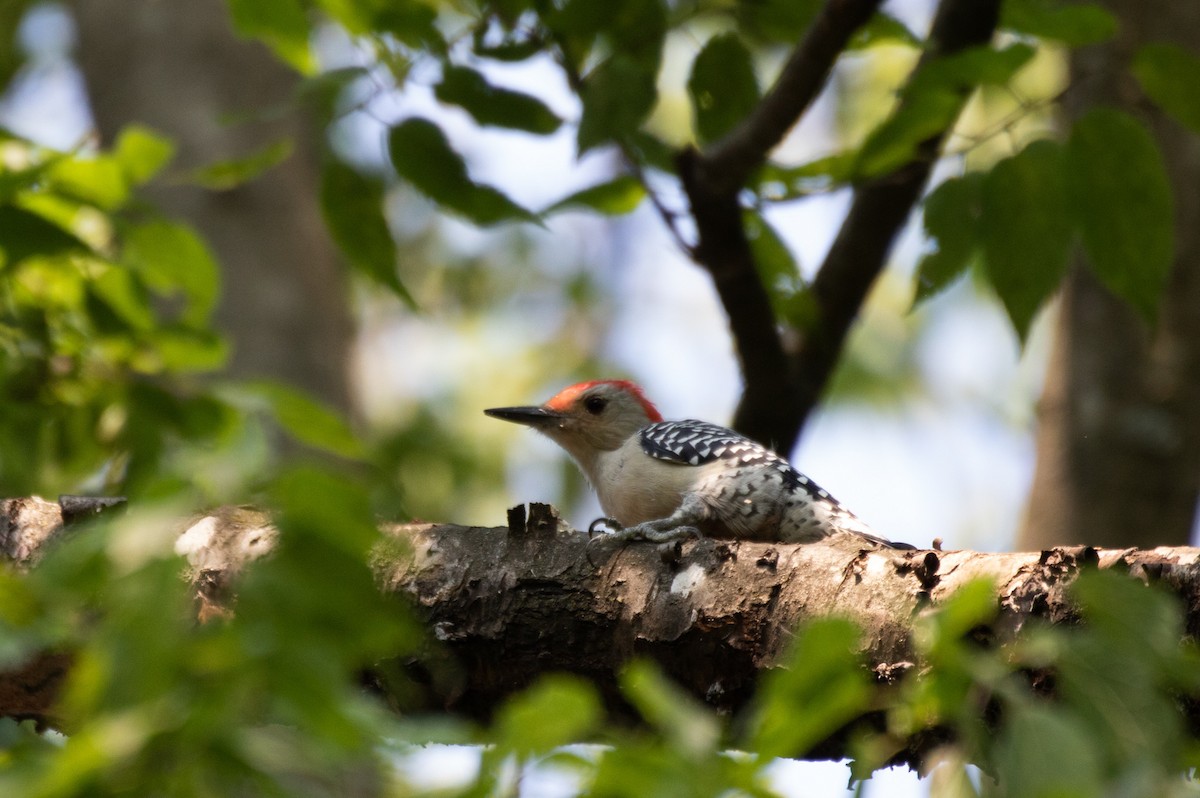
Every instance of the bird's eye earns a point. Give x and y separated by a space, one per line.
595 404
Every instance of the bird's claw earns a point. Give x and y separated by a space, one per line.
603 526
612 529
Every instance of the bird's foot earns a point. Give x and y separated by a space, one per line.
648 531
603 526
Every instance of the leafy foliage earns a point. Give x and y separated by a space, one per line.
105 339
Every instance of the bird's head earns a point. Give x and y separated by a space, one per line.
588 417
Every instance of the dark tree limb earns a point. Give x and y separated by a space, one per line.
508 604
712 180
729 162
880 208
781 388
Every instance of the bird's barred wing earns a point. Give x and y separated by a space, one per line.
695 443
698 442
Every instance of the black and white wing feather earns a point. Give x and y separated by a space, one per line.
696 443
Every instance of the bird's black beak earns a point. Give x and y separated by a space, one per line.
529 416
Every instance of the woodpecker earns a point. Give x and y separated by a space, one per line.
664 480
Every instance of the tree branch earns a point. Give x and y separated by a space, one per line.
781 389
729 162
880 209
712 180
508 604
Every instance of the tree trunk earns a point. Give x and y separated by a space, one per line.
1119 437
178 68
510 604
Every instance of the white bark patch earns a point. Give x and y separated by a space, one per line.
688 580
196 537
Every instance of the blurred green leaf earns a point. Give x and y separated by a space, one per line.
618 196
353 206
822 686
555 711
491 105
883 28
723 86
282 24
894 143
173 261
11 56
1075 24
932 102
1168 73
323 90
188 350
1047 752
776 21
973 605
118 288
98 180
413 22
24 234
777 268
1026 228
518 46
232 173
421 155
617 97
975 66
952 219
304 418
689 726
142 153
784 183
1119 186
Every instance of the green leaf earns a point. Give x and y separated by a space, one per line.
186 349
883 28
281 24
690 726
557 710
142 153
1168 73
932 102
894 143
421 155
413 22
723 86
776 21
232 173
1120 189
1050 753
352 204
618 196
172 260
783 183
24 234
951 217
307 420
126 297
1026 228
776 266
823 686
491 105
517 46
323 90
1075 24
98 180
617 97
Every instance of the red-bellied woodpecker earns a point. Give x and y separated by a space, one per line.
663 480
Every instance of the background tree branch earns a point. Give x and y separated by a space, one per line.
781 388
